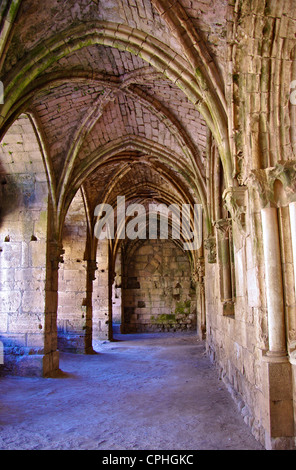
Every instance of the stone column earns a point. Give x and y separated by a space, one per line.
292 210
91 276
72 310
277 374
24 269
198 281
223 227
101 293
51 354
274 283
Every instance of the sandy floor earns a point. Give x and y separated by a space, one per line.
142 392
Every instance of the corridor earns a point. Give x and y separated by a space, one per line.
139 392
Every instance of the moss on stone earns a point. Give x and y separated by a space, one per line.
183 308
164 318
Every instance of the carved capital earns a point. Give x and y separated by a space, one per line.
224 227
235 200
263 181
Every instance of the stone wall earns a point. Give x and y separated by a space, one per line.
232 340
72 281
248 347
101 295
23 248
116 292
158 295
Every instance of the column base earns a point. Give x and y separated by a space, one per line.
51 364
276 356
278 416
280 443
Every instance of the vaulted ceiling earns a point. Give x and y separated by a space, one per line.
120 94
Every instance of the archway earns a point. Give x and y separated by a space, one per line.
158 294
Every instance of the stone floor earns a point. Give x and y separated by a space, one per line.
141 392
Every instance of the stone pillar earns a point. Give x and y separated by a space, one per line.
23 274
117 294
274 284
91 276
198 281
277 375
201 321
101 293
51 355
292 210
223 227
72 311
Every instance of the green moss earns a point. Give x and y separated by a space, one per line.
13 10
198 72
183 308
164 318
200 77
131 49
188 304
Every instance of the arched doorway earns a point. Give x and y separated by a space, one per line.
158 294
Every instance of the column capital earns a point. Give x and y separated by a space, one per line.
235 199
223 227
264 182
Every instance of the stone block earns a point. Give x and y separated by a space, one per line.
11 255
37 254
25 323
3 322
254 299
277 388
33 302
10 301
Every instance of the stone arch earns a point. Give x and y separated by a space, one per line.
174 67
108 251
157 296
110 151
23 256
74 308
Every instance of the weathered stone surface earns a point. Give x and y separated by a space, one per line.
167 103
158 296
